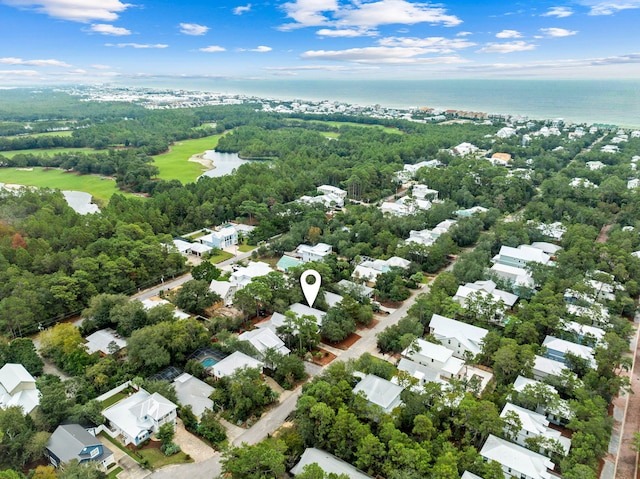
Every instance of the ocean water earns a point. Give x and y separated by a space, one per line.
584 101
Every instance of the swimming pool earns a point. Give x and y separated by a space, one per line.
208 362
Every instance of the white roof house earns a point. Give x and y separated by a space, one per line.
488 290
584 331
553 230
328 189
220 238
427 237
329 463
407 205
464 149
103 341
436 357
595 165
422 373
476 210
534 425
355 290
243 275
193 392
137 416
313 253
470 475
548 248
264 339
327 200
18 388
224 289
457 336
380 392
182 246
558 348
633 183
149 304
234 362
518 276
558 413
516 460
424 192
544 367
304 310
582 182
521 256
332 299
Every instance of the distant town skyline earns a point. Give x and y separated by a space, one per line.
88 41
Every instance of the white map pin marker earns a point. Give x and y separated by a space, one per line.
310 290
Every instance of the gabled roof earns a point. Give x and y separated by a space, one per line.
584 330
380 392
524 253
302 310
535 424
517 458
72 441
563 346
486 289
221 288
100 341
332 298
548 366
18 388
13 375
194 392
329 464
418 371
360 289
155 406
467 334
263 339
470 475
233 363
287 262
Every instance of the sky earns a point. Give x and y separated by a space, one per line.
107 41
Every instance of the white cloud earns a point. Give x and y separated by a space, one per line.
101 67
137 45
509 34
508 47
558 32
387 12
380 55
463 34
308 13
33 63
18 73
346 33
261 49
610 7
74 10
364 15
242 9
193 29
329 68
429 44
106 29
560 12
213 49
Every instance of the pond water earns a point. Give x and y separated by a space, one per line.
224 163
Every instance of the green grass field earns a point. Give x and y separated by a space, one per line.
175 165
100 189
45 151
50 133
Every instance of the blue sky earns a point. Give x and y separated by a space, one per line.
65 41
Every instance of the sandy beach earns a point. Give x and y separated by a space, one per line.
199 158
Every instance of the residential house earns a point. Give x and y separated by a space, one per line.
286 262
149 304
470 475
513 274
547 248
221 238
409 171
328 200
469 212
329 463
243 275
18 388
136 417
544 367
505 132
557 350
435 357
557 411
461 338
585 334
423 192
407 205
582 182
233 363
355 290
182 246
199 249
500 159
633 183
595 165
555 231
304 310
332 299
517 461
332 190
264 339
380 392
224 289
521 256
534 425
193 392
310 253
464 149
105 341
72 441
427 237
370 269
487 291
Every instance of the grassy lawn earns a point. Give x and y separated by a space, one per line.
113 474
158 459
245 248
175 165
114 399
219 258
95 185
50 133
330 134
45 151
